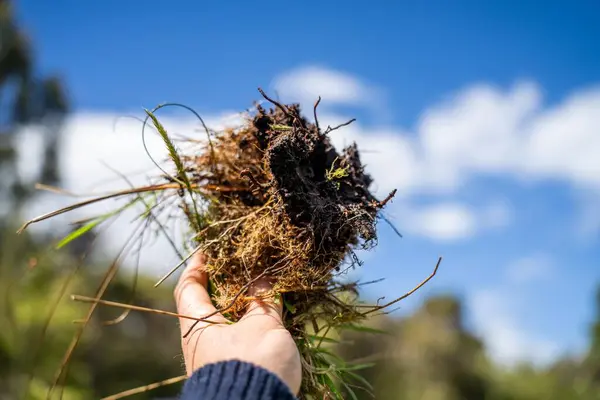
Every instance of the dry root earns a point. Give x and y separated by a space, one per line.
283 203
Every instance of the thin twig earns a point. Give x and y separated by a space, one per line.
389 197
53 308
57 190
330 129
246 173
387 312
419 286
391 225
323 336
85 299
146 388
277 104
112 270
136 270
175 268
370 282
315 114
148 209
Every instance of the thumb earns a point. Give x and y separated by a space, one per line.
265 301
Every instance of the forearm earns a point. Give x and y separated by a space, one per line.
234 380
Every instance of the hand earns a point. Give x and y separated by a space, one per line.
258 338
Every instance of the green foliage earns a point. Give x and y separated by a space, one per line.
430 355
94 222
181 178
335 174
82 230
173 153
109 359
277 127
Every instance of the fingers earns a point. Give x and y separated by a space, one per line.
265 304
191 294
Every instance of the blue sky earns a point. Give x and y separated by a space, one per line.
473 103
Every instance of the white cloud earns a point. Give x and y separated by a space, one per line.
477 131
305 84
497 214
533 268
507 341
444 222
448 222
564 141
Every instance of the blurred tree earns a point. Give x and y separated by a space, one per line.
33 280
37 321
428 355
594 352
38 102
442 360
592 361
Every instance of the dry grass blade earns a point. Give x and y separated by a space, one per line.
150 218
108 276
391 225
149 213
146 388
54 189
152 188
53 308
404 296
175 268
132 307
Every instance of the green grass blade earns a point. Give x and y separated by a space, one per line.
324 339
82 230
290 307
359 378
329 381
349 390
181 177
170 147
328 353
362 328
356 367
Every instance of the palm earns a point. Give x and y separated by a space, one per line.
259 337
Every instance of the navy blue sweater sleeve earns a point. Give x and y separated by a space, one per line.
234 380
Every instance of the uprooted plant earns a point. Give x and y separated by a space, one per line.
272 198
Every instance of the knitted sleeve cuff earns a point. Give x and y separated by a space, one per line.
234 380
